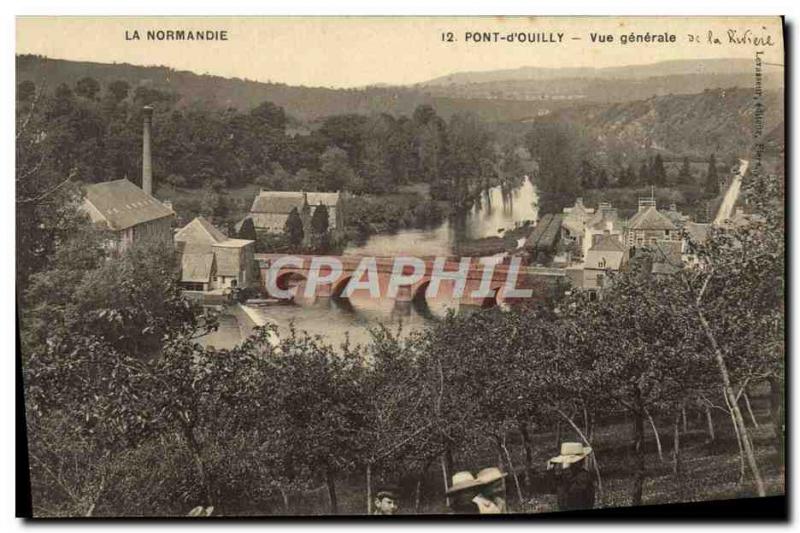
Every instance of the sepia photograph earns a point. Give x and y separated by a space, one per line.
399 266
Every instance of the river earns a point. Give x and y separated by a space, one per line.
495 212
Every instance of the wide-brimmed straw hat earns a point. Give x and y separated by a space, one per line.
571 452
490 475
462 481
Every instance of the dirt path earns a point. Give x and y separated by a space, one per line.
731 195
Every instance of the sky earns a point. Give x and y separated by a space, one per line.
354 51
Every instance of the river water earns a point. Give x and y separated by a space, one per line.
495 212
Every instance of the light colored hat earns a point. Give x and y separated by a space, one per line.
571 452
201 511
490 475
462 481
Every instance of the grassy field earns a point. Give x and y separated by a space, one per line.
710 470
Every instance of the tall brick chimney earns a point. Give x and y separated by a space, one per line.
147 160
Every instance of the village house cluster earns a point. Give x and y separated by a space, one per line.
599 240
592 241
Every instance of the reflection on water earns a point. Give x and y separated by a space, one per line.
494 212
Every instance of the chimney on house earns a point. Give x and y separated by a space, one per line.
644 203
147 160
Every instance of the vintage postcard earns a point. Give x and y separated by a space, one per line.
302 266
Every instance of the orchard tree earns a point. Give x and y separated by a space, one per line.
318 393
636 348
735 296
400 433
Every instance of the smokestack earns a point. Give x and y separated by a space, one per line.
147 160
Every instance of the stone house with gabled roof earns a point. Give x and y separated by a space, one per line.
129 213
649 225
271 209
211 261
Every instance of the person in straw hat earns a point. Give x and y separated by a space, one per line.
575 484
464 489
493 487
466 493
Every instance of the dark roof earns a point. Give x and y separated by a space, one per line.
545 234
481 247
121 204
650 219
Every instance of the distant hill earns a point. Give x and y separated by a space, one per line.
605 84
718 120
303 103
526 94
662 68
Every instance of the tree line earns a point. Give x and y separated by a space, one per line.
571 162
96 132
